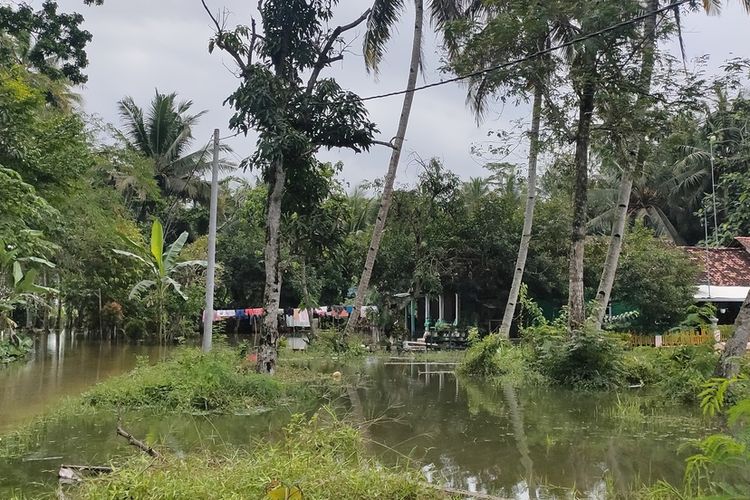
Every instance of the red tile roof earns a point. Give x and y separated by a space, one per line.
726 266
744 241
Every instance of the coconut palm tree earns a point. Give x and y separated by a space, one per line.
474 190
381 21
511 30
626 183
164 134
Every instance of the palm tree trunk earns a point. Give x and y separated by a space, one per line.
626 181
607 279
528 216
390 178
736 347
267 352
576 300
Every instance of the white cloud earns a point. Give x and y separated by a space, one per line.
143 44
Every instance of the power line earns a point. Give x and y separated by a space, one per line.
534 55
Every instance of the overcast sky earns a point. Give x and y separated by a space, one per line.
141 45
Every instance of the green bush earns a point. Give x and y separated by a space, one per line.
677 372
482 358
495 357
135 328
12 351
584 360
331 342
214 382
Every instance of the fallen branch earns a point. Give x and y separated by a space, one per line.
138 444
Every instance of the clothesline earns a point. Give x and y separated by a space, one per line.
295 317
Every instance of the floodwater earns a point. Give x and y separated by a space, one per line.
497 440
62 364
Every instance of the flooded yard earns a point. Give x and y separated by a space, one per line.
508 442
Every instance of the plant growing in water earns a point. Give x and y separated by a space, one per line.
162 266
18 288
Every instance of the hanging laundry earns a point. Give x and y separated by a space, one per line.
349 309
240 313
303 320
225 313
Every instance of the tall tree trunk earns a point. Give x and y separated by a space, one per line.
528 216
576 299
267 352
626 181
387 197
736 346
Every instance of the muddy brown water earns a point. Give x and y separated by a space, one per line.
497 440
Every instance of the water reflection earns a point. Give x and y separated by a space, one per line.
520 443
499 440
62 364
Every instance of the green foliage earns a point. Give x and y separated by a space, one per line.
19 288
653 277
25 215
333 342
217 382
698 315
322 457
12 350
678 373
51 42
162 265
496 359
584 360
721 466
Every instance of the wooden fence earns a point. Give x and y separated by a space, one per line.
674 339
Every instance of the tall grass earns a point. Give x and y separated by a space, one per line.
322 458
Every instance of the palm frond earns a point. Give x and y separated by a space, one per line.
383 17
135 132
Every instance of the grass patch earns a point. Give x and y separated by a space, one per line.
322 457
676 372
191 381
219 382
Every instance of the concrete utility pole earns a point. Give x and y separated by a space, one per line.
208 315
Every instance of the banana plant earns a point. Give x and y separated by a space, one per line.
162 265
18 285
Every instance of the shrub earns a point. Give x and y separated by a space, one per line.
677 372
482 358
190 381
494 356
585 360
11 351
135 328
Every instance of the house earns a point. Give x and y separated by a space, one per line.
725 280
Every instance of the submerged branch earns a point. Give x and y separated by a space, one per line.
138 444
